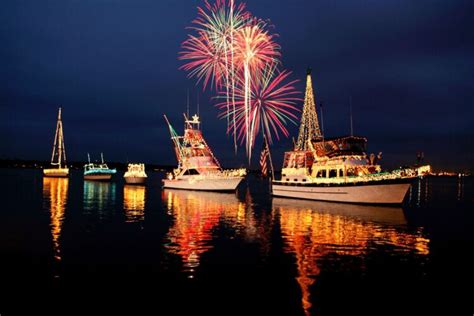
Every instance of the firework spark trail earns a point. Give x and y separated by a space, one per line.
273 104
233 74
255 50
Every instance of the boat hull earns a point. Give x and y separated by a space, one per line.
135 180
377 193
219 185
56 172
98 177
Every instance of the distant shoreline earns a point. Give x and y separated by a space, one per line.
38 164
79 165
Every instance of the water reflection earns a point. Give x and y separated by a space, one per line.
98 197
55 199
196 214
460 186
312 230
134 203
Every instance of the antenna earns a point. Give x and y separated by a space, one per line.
88 158
350 109
102 157
322 119
187 104
197 103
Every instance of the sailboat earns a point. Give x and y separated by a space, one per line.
198 168
58 157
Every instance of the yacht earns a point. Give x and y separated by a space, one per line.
338 169
95 171
198 168
135 174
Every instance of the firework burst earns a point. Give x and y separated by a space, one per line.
211 52
233 53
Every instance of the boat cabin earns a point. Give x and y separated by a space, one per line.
340 146
332 160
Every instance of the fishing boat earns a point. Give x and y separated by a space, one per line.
94 171
135 173
337 169
198 168
58 157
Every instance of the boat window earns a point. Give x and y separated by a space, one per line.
191 172
304 180
341 173
351 172
321 174
287 179
333 173
295 179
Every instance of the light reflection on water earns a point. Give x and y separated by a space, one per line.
99 197
313 230
317 236
134 203
195 215
271 256
55 199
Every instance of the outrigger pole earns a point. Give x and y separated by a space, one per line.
174 137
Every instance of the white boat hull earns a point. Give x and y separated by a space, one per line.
380 193
98 177
224 184
56 172
135 180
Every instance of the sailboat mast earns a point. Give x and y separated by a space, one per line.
60 141
55 138
62 144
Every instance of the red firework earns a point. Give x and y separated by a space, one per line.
210 52
207 63
255 48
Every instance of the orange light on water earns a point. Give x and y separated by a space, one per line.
55 196
134 203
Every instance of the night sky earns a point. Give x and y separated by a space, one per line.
112 65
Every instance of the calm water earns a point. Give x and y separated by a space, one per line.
67 245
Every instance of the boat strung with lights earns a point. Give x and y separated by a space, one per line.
198 168
135 174
58 157
94 171
337 169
